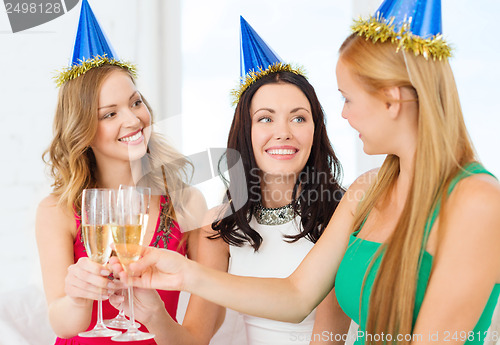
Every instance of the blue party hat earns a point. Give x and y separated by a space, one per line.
257 59
255 54
90 39
92 48
425 15
414 24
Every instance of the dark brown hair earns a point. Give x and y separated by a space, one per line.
320 191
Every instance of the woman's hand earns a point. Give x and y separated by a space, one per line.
87 280
158 269
147 304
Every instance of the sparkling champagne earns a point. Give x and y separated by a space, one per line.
128 242
97 239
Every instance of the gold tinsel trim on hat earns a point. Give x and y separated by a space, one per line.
379 29
252 76
74 71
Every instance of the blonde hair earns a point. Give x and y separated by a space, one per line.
443 147
71 160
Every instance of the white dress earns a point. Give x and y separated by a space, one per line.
275 258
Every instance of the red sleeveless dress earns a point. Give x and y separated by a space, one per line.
167 235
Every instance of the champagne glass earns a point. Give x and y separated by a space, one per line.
97 215
128 233
120 321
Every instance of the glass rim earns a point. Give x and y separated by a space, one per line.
99 189
124 186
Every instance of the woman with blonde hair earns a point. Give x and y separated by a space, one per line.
103 138
412 249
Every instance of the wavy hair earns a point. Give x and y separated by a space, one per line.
443 148
319 192
71 160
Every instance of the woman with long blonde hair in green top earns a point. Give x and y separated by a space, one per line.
413 248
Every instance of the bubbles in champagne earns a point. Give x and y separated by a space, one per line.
97 239
128 242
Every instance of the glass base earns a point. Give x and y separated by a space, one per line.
120 323
99 331
133 336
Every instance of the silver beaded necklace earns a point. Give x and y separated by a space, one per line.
274 216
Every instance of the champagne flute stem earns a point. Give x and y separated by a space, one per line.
100 321
121 314
131 307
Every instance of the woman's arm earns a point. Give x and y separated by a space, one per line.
290 299
331 324
69 288
466 263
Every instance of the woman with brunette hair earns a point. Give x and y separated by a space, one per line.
291 177
277 206
412 248
315 191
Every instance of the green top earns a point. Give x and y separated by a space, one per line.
359 255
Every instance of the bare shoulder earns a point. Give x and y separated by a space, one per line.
195 198
53 219
479 193
213 215
213 251
209 237
50 201
472 211
197 219
193 201
191 210
50 209
483 182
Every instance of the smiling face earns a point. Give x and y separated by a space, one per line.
123 127
366 113
282 129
